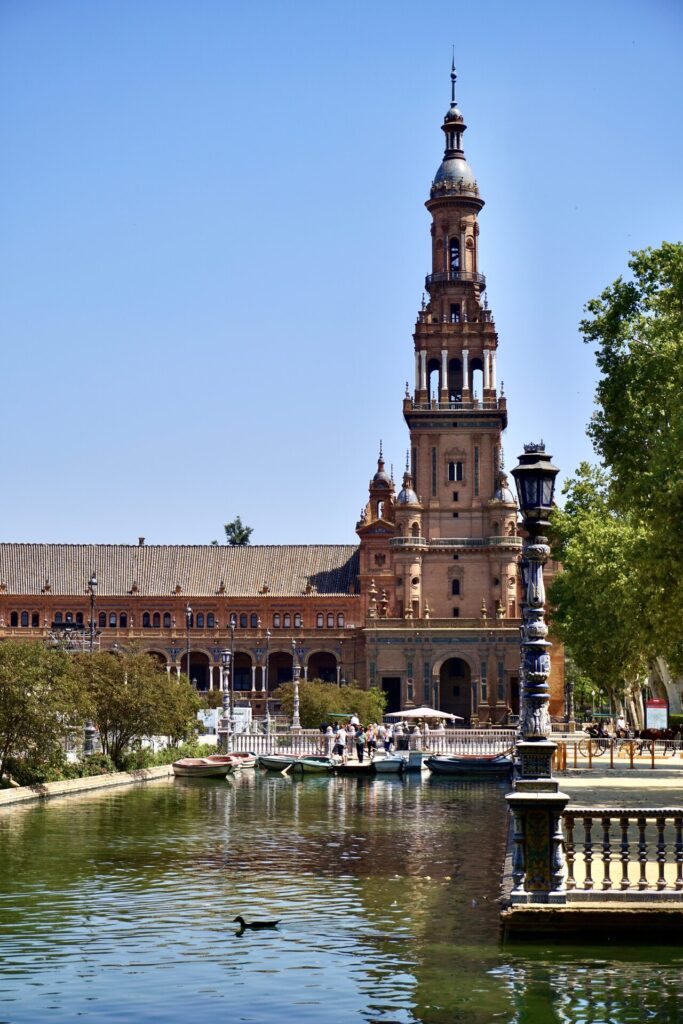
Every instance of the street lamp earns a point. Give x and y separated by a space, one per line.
265 682
297 655
535 479
92 587
89 728
232 626
536 803
226 658
188 626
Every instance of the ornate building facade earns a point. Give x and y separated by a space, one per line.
426 606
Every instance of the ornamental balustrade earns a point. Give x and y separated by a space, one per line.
624 853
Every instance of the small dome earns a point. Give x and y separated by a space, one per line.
454 115
407 496
382 477
455 171
506 495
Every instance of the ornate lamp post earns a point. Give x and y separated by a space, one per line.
89 728
188 626
265 681
537 804
226 659
297 657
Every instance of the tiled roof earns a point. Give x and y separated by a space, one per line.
199 570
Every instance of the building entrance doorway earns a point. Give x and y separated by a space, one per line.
391 685
455 688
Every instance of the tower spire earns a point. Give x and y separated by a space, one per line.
454 78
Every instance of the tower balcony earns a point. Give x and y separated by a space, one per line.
455 277
440 543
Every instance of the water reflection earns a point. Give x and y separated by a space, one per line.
121 905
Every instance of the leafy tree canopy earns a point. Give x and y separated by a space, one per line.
132 697
637 429
40 696
319 700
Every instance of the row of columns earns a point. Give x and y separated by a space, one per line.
176 670
421 371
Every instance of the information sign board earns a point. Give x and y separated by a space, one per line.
656 713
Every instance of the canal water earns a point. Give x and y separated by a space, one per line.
118 906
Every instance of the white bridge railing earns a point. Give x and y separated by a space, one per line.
312 741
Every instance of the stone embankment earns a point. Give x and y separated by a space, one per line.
71 787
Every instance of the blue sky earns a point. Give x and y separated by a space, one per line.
213 241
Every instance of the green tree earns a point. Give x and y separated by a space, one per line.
319 700
132 697
596 599
40 696
237 534
637 429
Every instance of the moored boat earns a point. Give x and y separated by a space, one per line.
353 768
276 762
312 765
244 760
204 767
385 763
470 764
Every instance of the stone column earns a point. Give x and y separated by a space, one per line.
444 375
493 371
423 370
417 372
465 373
253 677
487 367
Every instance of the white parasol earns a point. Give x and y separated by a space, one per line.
423 713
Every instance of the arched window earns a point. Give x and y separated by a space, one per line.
276 620
200 620
415 530
123 620
297 621
35 619
253 621
287 621
156 620
102 620
455 587
69 618
14 619
341 621
112 620
58 618
79 618
243 621
211 621
454 254
330 621
167 620
319 620
24 618
146 621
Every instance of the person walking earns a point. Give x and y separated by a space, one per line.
340 746
360 743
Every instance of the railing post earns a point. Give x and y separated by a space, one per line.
678 847
642 852
606 852
661 852
624 822
569 849
588 851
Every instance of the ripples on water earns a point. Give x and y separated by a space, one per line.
119 906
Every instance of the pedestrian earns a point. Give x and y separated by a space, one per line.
340 746
372 740
360 743
388 738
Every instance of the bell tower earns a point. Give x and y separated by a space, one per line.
456 413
